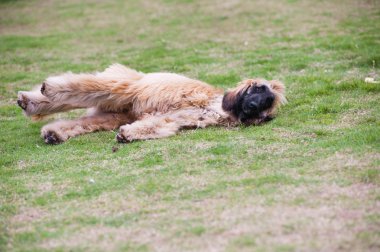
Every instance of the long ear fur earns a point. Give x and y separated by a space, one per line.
231 98
279 90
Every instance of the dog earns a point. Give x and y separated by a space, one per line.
146 106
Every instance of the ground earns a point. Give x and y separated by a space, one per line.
307 181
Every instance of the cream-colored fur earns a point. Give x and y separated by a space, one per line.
153 105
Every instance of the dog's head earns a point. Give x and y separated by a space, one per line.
254 101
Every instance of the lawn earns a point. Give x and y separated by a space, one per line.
307 181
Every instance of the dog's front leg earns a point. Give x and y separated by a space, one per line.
160 126
151 127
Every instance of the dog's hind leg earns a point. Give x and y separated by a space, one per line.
89 90
77 89
60 131
35 105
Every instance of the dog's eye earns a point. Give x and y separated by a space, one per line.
256 89
259 89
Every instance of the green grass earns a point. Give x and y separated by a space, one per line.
310 174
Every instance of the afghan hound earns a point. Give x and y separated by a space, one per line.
146 106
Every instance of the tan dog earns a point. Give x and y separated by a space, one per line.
146 106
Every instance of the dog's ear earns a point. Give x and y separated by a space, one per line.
232 98
229 100
279 90
277 86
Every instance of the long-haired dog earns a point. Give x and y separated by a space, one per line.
146 106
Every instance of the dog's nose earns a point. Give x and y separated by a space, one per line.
253 105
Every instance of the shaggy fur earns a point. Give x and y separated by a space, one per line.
146 106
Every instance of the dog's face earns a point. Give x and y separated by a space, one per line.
254 101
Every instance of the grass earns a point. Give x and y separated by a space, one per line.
307 181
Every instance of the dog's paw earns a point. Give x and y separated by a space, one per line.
43 88
54 87
51 137
46 90
50 88
122 139
125 135
27 103
22 100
